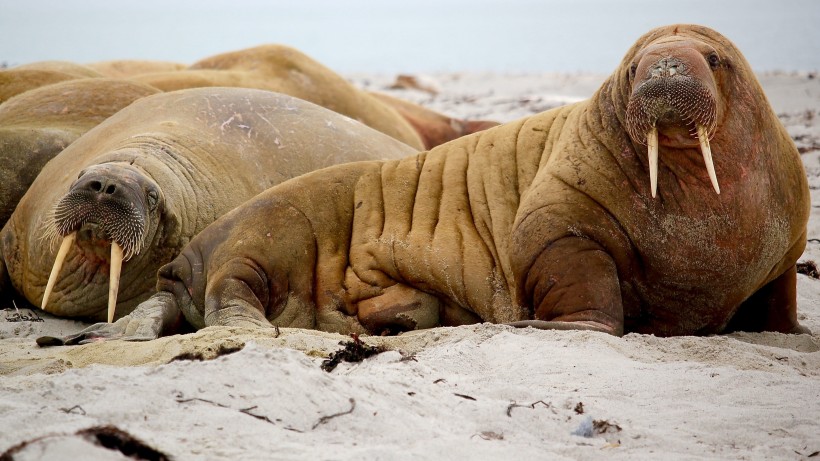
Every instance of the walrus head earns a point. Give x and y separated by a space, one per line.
108 204
674 99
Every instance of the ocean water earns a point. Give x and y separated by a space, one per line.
388 36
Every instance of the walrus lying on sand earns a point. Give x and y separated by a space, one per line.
127 68
286 70
138 186
38 124
27 77
671 203
40 117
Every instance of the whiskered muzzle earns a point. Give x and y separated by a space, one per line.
120 222
682 100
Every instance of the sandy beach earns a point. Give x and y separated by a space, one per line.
473 392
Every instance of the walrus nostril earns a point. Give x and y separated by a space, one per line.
667 67
100 186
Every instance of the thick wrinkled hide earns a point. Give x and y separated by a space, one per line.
181 160
549 220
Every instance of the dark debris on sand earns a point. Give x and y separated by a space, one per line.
14 315
209 353
808 268
110 437
353 351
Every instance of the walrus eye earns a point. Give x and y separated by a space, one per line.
153 198
632 70
713 59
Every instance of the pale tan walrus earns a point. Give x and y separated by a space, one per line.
561 220
286 70
127 68
41 122
130 193
27 77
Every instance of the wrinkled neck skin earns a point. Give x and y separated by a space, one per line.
466 222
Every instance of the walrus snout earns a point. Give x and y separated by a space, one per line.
115 201
674 100
110 202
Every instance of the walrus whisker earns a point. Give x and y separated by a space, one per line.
49 234
652 147
68 241
114 280
703 137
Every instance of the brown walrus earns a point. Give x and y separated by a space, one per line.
434 128
127 68
27 77
286 70
147 179
547 221
275 68
38 124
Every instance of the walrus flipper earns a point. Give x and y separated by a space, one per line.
155 317
573 284
233 299
771 308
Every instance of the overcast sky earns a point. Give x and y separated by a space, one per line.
402 36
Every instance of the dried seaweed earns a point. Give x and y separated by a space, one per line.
353 351
808 268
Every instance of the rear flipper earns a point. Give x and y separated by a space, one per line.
399 308
155 317
771 308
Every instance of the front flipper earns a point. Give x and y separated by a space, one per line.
553 325
771 308
239 294
155 317
573 284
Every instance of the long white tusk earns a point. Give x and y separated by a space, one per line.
114 282
68 241
703 137
652 145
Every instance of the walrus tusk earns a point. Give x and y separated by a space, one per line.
652 145
703 137
68 240
114 282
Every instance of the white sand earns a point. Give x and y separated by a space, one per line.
476 392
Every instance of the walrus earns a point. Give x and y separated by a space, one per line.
38 124
127 68
27 77
131 192
286 70
433 127
65 67
672 202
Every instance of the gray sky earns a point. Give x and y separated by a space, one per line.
402 36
